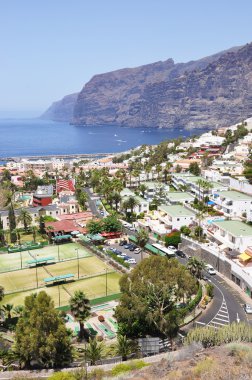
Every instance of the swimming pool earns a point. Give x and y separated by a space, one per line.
24 197
211 221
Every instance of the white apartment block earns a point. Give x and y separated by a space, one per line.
175 216
233 203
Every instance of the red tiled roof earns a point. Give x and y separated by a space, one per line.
65 225
79 215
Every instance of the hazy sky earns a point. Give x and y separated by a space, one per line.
50 48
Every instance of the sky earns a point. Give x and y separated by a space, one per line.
51 48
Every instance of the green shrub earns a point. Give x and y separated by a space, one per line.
210 290
62 376
126 367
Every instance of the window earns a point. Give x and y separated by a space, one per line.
178 219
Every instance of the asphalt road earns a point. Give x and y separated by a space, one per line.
92 203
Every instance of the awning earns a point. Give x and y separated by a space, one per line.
244 257
210 203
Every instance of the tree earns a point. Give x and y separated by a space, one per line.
129 204
94 350
173 238
42 225
2 236
195 266
1 293
149 296
7 309
200 184
25 218
143 188
12 224
117 199
142 237
94 227
185 230
111 224
194 168
41 336
123 346
49 231
80 308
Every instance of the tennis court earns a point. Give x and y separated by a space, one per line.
93 287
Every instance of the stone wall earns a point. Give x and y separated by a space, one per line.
193 249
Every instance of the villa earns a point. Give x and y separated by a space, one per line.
175 216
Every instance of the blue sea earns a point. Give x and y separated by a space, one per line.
33 137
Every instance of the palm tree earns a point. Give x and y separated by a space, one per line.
206 187
117 199
143 188
123 346
80 308
130 203
200 217
7 309
195 266
18 310
142 237
94 350
49 230
34 233
1 293
200 183
25 218
122 175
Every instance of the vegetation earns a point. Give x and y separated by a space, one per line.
149 295
194 168
173 238
25 218
41 336
94 350
142 237
108 224
195 267
209 337
80 308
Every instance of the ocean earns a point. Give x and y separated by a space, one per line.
33 137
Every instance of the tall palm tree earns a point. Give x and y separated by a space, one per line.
195 267
80 308
1 293
142 237
122 175
206 186
200 184
25 218
130 203
117 199
94 350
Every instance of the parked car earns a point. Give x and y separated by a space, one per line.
172 248
180 253
133 247
137 250
123 242
126 258
117 251
127 246
131 261
248 308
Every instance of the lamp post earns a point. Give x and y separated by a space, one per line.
78 262
59 294
106 281
58 254
20 253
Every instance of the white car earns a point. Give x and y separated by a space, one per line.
248 308
172 248
131 261
211 270
137 250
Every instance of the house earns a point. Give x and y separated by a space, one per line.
142 204
233 234
175 216
233 203
154 189
35 212
176 197
42 196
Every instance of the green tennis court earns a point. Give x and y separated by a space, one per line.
22 279
94 287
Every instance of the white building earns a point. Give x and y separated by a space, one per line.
208 139
175 216
233 234
233 203
176 197
142 204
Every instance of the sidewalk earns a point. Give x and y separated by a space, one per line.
237 288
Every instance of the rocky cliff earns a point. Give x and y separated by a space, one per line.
61 110
210 92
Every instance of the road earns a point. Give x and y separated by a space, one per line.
92 202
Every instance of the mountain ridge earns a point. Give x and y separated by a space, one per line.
215 90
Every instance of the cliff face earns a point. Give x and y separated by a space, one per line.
61 110
213 91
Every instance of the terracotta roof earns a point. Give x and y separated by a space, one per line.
77 216
65 225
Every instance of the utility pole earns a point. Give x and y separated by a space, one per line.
106 281
58 254
78 262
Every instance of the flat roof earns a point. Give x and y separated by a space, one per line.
235 195
59 278
153 184
40 260
178 195
235 227
176 210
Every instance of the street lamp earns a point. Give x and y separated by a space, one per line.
106 281
78 262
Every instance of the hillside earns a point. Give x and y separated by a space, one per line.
215 90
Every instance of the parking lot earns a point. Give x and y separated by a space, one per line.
131 254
